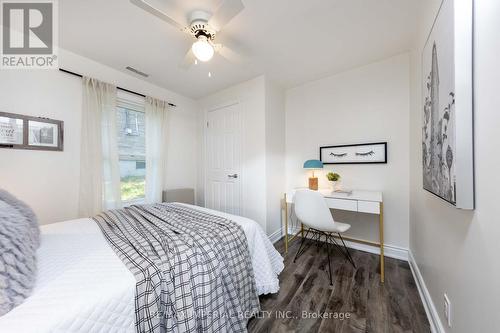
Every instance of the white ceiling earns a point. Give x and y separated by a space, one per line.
292 41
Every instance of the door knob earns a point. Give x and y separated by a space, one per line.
233 176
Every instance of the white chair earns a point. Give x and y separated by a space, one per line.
311 209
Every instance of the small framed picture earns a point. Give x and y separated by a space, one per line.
363 153
26 132
44 133
11 130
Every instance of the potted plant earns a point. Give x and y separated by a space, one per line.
334 179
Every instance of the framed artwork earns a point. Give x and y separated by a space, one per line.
25 132
447 131
43 134
11 130
363 153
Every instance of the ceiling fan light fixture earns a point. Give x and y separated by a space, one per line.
202 49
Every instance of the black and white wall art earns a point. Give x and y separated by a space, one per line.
11 130
447 131
362 153
43 134
19 131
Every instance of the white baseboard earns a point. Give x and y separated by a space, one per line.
275 236
430 308
391 251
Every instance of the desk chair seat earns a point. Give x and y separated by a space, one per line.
311 209
339 227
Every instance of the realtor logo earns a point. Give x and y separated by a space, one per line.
29 34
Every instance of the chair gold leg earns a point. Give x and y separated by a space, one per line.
381 233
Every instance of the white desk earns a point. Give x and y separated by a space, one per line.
358 201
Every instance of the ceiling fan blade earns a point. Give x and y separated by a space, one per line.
231 50
188 60
230 54
226 11
156 12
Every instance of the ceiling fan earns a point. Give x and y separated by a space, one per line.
203 27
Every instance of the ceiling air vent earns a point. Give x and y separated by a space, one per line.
133 70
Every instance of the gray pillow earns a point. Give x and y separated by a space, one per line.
19 240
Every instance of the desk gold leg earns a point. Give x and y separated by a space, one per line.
286 225
381 232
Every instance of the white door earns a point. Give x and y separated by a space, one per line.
223 160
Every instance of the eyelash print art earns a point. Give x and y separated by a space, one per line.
369 153
338 155
360 153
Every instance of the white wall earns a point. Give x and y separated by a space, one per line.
367 104
49 181
457 251
251 95
275 155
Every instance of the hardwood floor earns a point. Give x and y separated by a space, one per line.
357 301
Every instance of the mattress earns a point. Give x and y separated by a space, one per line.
82 286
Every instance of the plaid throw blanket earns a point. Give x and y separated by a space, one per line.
193 269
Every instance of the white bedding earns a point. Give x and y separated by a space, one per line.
266 261
82 286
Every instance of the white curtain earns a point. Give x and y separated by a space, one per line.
156 148
100 173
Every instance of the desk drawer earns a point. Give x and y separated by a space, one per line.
370 207
342 204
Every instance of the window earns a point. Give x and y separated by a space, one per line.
131 150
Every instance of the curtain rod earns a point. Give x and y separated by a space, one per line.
120 88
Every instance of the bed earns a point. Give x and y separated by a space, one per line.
83 286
